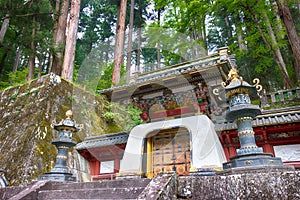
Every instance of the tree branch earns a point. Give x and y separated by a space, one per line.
27 15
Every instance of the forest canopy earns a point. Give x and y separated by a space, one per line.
42 36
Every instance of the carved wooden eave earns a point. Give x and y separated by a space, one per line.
209 68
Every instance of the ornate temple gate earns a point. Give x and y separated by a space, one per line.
170 151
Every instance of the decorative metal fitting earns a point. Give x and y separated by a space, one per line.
246 132
62 157
243 118
256 82
237 91
232 75
249 147
217 93
248 162
63 147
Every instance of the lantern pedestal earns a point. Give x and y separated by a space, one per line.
255 159
250 157
63 143
58 177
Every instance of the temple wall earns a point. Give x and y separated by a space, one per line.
206 149
272 185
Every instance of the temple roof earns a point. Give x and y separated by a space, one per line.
103 140
215 64
268 118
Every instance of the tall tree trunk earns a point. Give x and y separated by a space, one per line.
129 49
59 35
228 25
158 55
276 49
4 28
40 67
2 61
239 31
279 32
193 49
31 64
273 45
119 47
50 63
138 61
68 65
158 43
240 38
292 34
17 60
16 63
204 36
138 58
107 50
31 61
55 29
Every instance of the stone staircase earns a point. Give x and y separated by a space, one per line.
271 185
113 189
163 186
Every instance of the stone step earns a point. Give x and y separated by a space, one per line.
120 183
8 192
101 193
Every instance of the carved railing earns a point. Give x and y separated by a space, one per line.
280 98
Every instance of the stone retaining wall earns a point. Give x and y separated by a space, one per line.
277 185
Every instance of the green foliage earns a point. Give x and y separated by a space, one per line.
181 33
185 27
23 19
97 24
19 77
235 23
135 115
106 77
122 117
256 102
109 115
15 78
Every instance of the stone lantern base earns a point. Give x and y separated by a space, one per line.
58 177
257 169
202 172
256 162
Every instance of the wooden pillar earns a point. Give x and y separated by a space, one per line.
231 149
117 165
226 151
95 167
149 173
268 148
221 137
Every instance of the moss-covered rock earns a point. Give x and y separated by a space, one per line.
26 113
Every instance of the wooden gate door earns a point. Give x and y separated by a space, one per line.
171 151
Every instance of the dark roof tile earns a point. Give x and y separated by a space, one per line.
268 118
103 140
